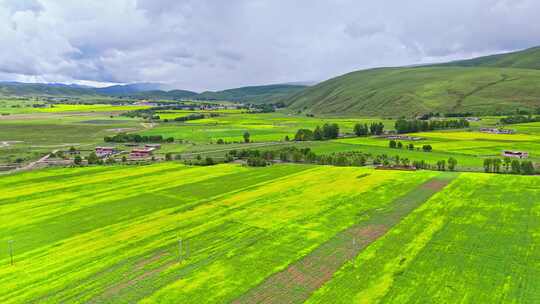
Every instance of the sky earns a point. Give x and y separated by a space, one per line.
216 44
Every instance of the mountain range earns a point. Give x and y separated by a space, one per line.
495 84
251 94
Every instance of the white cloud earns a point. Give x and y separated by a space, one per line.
211 44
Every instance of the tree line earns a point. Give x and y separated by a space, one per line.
512 166
125 138
516 119
411 126
328 131
257 158
375 128
398 145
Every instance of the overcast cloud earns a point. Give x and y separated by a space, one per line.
216 44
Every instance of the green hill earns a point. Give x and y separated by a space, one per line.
478 86
526 59
254 94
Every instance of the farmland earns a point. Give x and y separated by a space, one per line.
235 220
29 136
476 241
241 227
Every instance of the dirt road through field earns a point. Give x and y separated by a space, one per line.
299 280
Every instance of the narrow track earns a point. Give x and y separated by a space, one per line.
300 279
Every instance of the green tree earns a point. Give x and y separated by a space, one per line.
361 129
405 162
303 135
496 163
77 160
427 148
318 134
527 168
330 131
168 156
516 166
92 159
392 144
488 165
452 164
247 137
399 145
507 162
441 165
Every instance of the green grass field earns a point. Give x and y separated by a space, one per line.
73 243
231 125
243 227
474 242
29 136
24 106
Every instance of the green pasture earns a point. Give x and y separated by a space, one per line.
262 127
474 242
111 234
29 137
25 106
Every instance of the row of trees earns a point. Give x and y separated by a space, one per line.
411 126
125 138
376 128
193 116
328 131
258 158
398 145
513 166
516 119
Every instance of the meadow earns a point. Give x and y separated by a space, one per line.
230 125
29 136
25 106
170 233
121 244
474 242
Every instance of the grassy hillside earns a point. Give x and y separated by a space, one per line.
527 59
411 91
255 94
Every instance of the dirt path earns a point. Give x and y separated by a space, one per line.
29 166
298 281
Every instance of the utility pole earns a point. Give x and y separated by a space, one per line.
10 242
179 250
187 249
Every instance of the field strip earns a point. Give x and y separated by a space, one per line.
236 148
299 280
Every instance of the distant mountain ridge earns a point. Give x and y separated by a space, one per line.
252 94
525 59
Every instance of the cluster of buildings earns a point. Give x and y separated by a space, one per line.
402 137
515 154
136 153
497 131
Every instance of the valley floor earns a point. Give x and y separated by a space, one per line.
171 233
